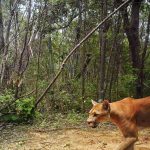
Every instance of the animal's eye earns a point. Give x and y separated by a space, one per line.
95 115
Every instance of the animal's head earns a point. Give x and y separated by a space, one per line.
99 113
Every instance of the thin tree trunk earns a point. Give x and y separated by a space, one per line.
1 29
102 45
38 66
113 57
83 67
141 74
4 65
24 56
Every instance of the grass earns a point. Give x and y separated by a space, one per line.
58 120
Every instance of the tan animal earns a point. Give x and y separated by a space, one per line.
128 115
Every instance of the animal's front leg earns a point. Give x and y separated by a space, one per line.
127 144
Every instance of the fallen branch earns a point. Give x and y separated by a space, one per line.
75 48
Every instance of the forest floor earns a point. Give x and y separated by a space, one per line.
105 137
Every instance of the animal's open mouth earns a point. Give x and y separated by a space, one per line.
93 124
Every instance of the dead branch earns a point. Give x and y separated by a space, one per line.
27 94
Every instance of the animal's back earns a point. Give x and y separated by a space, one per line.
142 115
135 109
123 110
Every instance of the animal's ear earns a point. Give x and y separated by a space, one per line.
94 103
106 105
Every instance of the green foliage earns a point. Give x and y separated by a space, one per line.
24 108
59 120
75 118
68 96
21 110
126 85
10 118
6 97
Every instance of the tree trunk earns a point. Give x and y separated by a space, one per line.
102 43
4 70
144 52
1 30
131 28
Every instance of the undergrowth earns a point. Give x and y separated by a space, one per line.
59 120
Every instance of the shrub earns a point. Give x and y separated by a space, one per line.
24 108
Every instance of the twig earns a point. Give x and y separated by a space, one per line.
146 85
74 49
27 94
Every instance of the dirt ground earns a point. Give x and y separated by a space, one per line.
102 138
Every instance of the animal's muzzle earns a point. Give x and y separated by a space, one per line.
92 124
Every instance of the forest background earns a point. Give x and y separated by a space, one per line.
37 35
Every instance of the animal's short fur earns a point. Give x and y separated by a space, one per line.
128 114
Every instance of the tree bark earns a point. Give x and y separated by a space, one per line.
4 66
131 28
102 45
24 56
1 30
